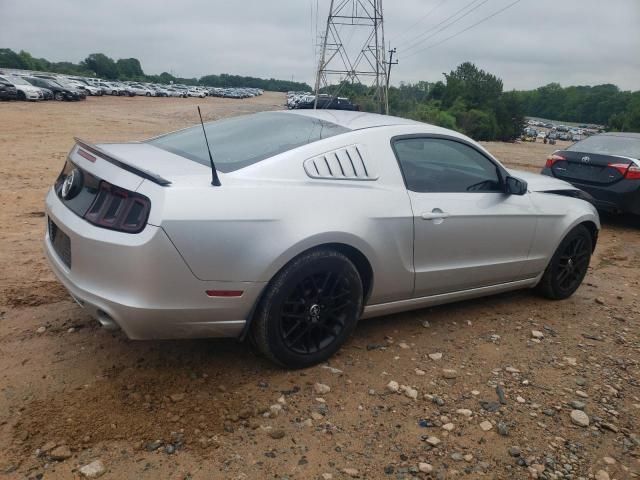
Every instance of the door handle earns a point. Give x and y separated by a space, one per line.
435 214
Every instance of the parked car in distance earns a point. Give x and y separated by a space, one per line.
7 90
400 214
141 90
88 89
196 92
59 92
607 166
25 91
111 89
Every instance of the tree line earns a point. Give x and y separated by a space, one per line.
469 99
101 66
473 101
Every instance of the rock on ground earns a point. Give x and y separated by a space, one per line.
93 469
578 417
321 388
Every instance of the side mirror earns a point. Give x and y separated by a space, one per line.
515 186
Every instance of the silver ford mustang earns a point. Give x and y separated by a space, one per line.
299 224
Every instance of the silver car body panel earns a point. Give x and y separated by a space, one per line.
238 236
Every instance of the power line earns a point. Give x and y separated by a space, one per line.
428 30
488 17
444 27
407 30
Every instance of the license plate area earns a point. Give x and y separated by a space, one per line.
61 243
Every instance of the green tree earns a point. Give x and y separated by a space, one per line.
509 116
129 68
10 59
476 87
102 65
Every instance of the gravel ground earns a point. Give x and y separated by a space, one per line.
506 387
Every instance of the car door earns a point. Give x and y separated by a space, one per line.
468 233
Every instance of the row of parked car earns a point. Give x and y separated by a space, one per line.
45 86
306 100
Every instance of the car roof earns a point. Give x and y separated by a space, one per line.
354 120
622 134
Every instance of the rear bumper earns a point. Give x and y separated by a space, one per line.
139 282
619 197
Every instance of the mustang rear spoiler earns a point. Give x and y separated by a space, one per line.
146 174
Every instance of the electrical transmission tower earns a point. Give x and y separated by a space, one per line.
360 60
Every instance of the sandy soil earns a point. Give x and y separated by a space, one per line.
212 409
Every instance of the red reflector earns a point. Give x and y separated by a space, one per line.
553 159
86 155
224 293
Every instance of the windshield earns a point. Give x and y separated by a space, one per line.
619 145
242 141
16 80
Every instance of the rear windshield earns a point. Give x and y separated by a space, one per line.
242 141
609 145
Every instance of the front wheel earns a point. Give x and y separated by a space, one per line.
59 96
309 309
568 266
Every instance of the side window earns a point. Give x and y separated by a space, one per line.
439 165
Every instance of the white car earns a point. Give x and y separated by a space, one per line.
26 91
141 90
196 92
172 92
88 89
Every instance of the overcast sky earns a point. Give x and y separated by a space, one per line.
532 43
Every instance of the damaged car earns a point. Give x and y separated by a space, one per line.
289 227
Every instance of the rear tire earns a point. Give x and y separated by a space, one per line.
58 96
309 309
568 266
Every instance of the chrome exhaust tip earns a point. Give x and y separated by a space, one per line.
106 321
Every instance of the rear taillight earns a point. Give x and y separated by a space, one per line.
628 170
118 209
553 158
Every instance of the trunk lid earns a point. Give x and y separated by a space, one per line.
589 168
100 183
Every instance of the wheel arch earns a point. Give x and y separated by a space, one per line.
355 255
593 231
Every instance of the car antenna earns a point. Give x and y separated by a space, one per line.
214 173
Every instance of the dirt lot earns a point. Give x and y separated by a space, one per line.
212 409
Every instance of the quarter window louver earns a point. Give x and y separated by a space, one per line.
349 163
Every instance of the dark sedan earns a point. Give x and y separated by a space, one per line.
59 92
7 91
607 166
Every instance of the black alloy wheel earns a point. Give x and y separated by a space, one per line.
309 309
573 264
315 313
568 266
